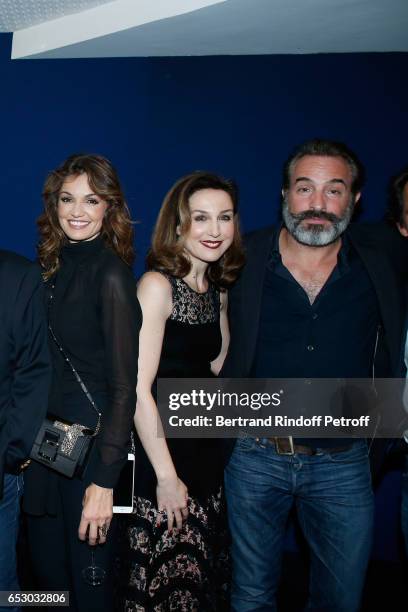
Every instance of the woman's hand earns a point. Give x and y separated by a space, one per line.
172 498
96 514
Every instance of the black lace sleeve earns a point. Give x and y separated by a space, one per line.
121 319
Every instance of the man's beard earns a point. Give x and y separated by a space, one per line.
316 235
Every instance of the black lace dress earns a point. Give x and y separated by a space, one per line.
189 569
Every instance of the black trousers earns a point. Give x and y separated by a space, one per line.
58 556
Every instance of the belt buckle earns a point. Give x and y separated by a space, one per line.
282 452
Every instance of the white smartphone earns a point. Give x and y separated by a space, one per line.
123 492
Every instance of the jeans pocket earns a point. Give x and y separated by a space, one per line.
357 452
245 445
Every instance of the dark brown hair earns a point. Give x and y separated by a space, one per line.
326 148
167 252
117 230
395 211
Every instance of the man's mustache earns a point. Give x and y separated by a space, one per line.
315 214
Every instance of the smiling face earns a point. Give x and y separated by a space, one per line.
212 225
319 203
80 211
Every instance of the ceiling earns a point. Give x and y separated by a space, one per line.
19 14
140 28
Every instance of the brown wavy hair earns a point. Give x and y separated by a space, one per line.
167 251
117 229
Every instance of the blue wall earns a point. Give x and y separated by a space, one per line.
160 118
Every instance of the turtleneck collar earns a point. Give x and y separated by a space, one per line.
76 251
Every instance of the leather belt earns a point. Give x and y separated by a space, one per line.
286 446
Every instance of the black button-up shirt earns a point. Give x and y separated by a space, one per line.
333 337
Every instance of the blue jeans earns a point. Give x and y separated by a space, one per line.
334 502
404 504
9 518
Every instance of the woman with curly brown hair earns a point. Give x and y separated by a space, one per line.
86 250
177 549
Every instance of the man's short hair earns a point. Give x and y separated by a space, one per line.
395 210
325 148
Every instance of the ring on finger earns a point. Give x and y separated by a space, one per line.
103 530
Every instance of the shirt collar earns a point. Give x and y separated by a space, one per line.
343 259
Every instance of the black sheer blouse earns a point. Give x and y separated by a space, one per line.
97 318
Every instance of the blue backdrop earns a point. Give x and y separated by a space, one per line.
157 119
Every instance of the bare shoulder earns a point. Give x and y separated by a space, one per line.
154 282
154 289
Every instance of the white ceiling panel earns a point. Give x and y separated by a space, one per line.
19 14
144 28
96 23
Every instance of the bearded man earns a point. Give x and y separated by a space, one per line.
318 298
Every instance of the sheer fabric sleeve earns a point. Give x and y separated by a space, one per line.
121 320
